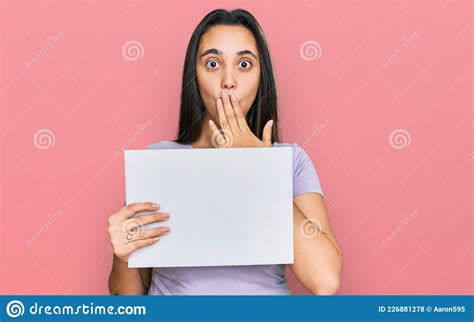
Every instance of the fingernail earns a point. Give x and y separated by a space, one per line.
165 230
233 96
154 205
270 122
156 238
224 93
165 216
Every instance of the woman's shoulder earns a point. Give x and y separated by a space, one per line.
300 157
166 145
305 176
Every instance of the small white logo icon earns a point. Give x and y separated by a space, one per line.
44 139
310 50
132 50
399 139
15 309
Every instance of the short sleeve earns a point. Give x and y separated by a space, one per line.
160 145
305 177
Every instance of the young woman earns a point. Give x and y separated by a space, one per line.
228 99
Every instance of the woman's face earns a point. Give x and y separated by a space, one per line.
227 59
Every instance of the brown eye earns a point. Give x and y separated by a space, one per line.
212 64
245 64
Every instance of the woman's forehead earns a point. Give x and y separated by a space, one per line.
227 39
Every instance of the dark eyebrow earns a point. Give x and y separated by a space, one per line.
219 53
211 51
245 52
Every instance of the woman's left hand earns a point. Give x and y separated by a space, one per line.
234 132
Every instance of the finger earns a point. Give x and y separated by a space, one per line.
148 219
222 118
150 233
229 112
267 133
217 137
131 247
240 117
130 210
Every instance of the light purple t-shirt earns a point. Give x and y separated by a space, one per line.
234 280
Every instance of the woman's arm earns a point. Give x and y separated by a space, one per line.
128 281
318 259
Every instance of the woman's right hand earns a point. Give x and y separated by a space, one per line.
127 233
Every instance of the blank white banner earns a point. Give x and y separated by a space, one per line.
227 206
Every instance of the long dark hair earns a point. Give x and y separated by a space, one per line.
192 109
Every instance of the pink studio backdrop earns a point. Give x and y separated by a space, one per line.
378 94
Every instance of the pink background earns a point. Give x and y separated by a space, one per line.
388 130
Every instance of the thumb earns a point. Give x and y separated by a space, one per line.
267 133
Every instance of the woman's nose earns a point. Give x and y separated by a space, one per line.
229 82
229 86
